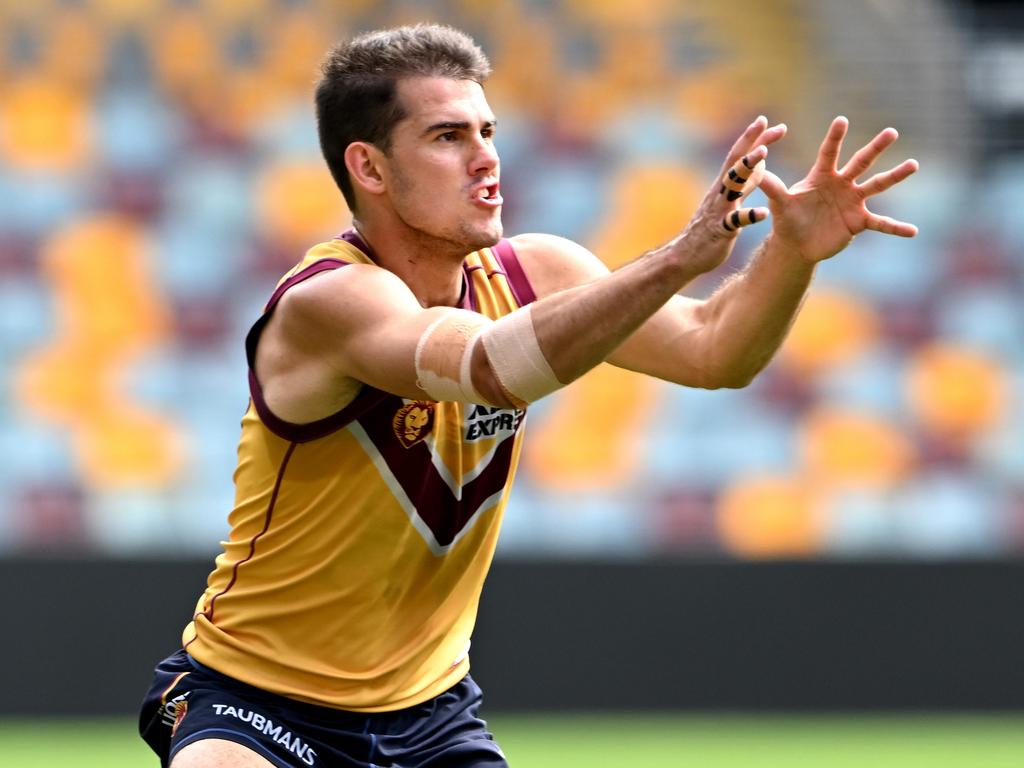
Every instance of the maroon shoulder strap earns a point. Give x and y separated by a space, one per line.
367 398
517 279
303 274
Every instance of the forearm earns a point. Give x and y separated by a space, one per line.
550 343
748 318
580 327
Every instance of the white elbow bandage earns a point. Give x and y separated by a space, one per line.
444 356
517 360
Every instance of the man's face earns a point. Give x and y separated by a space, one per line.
442 169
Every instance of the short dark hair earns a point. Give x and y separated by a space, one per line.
356 97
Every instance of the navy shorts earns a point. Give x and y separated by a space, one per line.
188 702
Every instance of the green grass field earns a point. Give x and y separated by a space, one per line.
574 741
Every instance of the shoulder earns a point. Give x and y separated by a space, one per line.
350 283
554 263
347 291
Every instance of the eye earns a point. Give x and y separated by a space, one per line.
447 136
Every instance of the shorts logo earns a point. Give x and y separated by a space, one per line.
180 710
173 711
266 726
413 422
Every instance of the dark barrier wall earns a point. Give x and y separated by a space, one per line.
80 637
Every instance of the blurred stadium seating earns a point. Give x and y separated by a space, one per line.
159 169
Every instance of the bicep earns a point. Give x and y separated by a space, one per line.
362 326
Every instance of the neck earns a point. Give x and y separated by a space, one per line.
431 267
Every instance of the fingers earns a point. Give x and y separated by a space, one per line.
890 226
882 181
744 176
743 217
773 187
746 140
743 170
757 133
828 153
771 135
865 157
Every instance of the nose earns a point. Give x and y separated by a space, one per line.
485 157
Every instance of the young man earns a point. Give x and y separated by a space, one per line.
390 375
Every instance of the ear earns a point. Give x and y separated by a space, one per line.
365 166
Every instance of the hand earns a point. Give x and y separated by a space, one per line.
818 216
751 147
717 240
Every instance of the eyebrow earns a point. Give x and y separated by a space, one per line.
453 125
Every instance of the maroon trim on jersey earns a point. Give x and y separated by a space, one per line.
517 279
301 433
313 269
468 298
413 468
367 398
352 237
252 544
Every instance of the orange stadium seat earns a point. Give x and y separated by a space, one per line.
298 204
46 125
525 54
126 14
109 314
74 49
592 435
956 392
296 42
841 448
770 516
186 54
831 329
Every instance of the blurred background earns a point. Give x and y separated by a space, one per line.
159 170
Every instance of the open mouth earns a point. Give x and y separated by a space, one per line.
489 194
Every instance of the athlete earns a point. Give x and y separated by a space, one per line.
390 374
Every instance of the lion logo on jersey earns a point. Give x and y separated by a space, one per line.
413 422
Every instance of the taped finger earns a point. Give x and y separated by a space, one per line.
743 217
742 179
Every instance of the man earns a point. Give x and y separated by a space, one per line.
390 374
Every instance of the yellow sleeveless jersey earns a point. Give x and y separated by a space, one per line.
359 543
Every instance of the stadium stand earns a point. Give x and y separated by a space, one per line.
159 170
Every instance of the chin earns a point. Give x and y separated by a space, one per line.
462 239
494 232
484 237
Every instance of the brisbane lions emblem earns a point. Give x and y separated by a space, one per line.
180 710
413 422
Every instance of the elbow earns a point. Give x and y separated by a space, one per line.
486 382
735 373
730 379
738 382
495 395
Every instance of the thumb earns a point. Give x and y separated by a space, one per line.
773 187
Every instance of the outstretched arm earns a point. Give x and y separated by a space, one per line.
726 340
582 320
813 220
